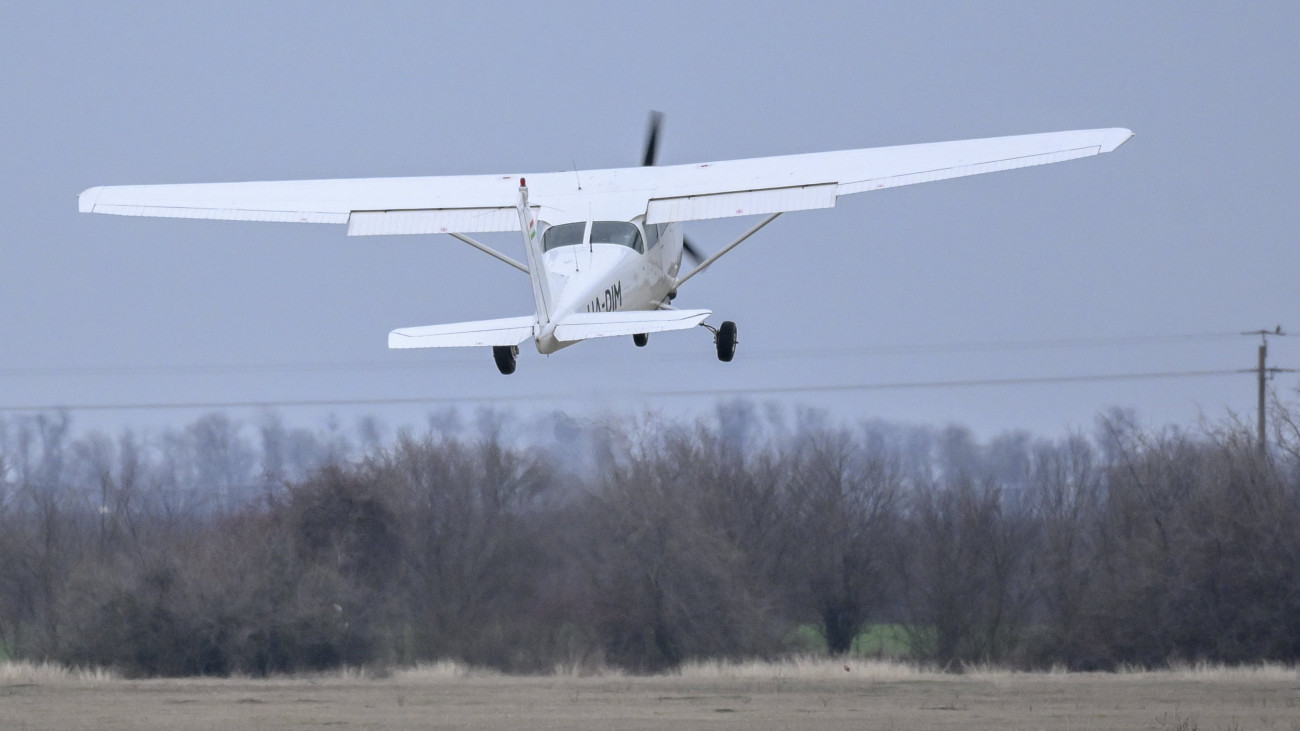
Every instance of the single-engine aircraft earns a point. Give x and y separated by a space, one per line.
603 248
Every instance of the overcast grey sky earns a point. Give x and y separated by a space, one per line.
1153 256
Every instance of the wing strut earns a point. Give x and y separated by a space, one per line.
705 264
489 251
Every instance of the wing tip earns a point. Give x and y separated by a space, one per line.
87 198
1116 137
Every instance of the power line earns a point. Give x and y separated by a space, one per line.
900 385
426 363
1013 345
904 385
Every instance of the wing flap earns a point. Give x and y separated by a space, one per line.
226 214
506 331
433 221
613 324
743 203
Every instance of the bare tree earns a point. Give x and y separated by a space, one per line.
840 507
963 571
666 579
1066 493
470 553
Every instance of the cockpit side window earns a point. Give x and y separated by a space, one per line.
651 235
565 234
617 232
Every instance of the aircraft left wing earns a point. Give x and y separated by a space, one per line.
484 203
800 182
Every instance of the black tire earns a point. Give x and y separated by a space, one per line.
504 355
726 341
641 339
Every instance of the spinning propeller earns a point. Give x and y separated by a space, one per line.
648 160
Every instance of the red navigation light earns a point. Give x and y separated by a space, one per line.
522 183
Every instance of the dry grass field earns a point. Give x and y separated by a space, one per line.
795 695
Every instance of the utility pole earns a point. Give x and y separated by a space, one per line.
1264 371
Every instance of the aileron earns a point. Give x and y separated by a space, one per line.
223 214
961 171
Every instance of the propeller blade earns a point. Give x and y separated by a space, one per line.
691 252
652 139
648 160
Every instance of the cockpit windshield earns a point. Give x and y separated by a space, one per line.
616 232
565 234
602 232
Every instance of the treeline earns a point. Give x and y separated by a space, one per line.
227 547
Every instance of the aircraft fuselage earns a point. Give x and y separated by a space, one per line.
604 277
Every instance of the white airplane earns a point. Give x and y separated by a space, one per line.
603 248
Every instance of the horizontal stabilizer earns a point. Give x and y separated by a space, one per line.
506 331
612 324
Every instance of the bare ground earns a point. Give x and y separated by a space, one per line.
775 698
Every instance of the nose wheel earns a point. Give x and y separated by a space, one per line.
504 355
724 337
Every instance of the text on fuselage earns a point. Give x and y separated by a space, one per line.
610 300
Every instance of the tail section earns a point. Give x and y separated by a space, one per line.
533 247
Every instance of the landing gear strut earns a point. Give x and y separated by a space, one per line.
504 355
641 339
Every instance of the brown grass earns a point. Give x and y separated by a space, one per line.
810 693
29 673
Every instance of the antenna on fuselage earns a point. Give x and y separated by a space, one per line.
575 172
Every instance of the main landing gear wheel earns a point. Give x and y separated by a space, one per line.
641 339
725 339
504 355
